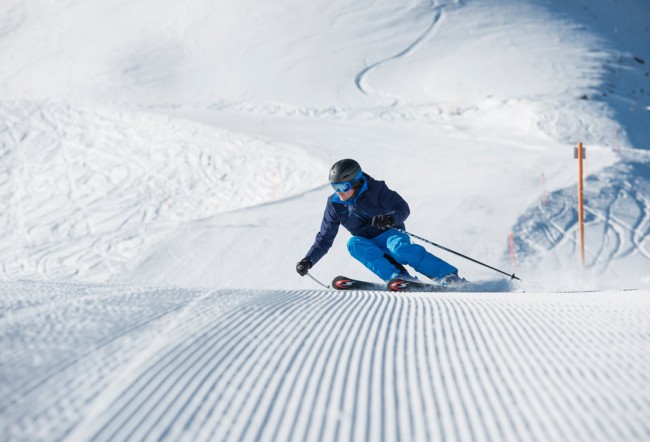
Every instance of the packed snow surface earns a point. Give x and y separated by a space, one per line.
163 166
105 362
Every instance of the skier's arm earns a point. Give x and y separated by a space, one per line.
325 237
396 206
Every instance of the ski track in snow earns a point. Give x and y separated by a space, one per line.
101 362
86 190
360 79
617 220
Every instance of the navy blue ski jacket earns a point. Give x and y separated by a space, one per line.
355 214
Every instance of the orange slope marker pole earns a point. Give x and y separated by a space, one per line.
580 154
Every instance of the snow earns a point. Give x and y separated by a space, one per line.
163 166
106 362
84 203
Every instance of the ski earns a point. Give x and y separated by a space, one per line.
402 285
345 283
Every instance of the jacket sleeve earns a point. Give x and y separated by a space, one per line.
397 207
325 238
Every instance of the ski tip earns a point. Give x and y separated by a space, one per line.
345 283
404 285
342 283
397 285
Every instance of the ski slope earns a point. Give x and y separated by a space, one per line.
106 362
163 166
152 138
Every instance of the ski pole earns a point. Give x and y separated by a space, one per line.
456 253
326 286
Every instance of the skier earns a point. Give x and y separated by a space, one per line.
368 208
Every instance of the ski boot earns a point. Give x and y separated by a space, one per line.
451 280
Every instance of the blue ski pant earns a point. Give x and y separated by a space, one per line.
370 252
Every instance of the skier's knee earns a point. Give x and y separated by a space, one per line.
353 244
407 253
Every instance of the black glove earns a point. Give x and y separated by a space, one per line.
383 221
303 267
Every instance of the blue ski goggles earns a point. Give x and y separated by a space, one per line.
342 187
346 185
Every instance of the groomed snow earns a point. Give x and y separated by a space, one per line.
105 362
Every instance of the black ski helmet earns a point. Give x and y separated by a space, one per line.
345 170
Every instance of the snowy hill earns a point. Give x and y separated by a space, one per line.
163 165
418 93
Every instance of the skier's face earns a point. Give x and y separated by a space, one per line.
344 196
